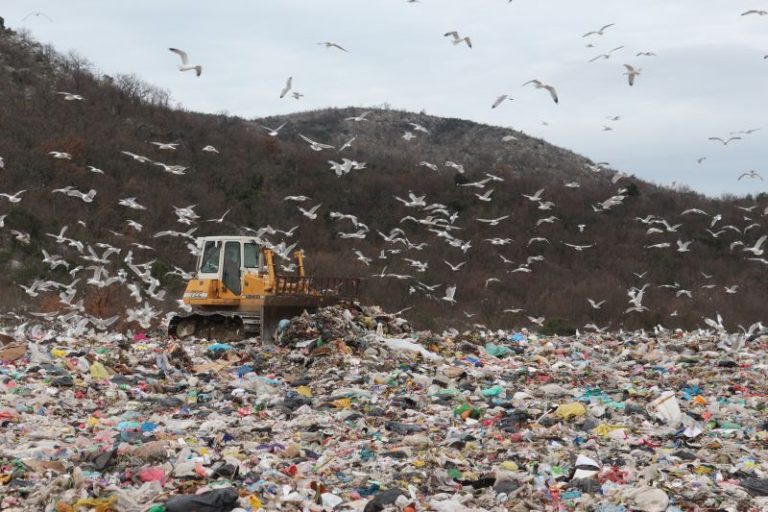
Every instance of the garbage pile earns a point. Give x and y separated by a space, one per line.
351 411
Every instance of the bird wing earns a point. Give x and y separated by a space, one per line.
339 47
552 92
182 54
287 87
307 139
606 26
453 34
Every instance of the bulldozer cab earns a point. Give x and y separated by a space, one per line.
229 261
237 290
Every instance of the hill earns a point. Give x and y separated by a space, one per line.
252 172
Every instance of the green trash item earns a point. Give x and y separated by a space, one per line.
156 508
454 473
497 350
493 391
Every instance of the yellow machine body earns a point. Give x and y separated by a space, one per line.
237 290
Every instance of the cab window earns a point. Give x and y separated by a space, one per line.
251 255
210 261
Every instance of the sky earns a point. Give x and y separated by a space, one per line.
707 79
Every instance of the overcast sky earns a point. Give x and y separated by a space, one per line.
708 78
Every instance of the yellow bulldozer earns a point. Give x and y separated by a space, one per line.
237 291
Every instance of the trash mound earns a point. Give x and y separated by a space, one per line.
376 418
345 321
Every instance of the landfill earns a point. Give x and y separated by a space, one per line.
352 410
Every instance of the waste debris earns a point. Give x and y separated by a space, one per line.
352 410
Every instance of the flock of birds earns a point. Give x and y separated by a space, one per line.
100 264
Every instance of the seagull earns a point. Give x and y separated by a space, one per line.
458 40
169 146
683 246
287 88
750 174
185 65
700 160
220 219
485 197
13 198
548 220
359 118
138 158
95 170
316 146
135 225
86 197
725 142
37 14
538 321
60 155
273 131
756 249
606 55
296 198
130 202
535 197
346 145
645 54
330 44
408 136
579 247
540 85
450 291
210 149
419 128
362 257
631 74
754 11
311 213
456 267
731 289
501 100
493 222
598 32
69 96
595 305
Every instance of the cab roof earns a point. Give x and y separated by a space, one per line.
203 239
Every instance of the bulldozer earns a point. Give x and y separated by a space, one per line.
237 292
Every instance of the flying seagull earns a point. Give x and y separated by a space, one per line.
69 96
631 74
185 65
288 84
500 100
273 132
751 174
725 142
540 85
330 44
37 14
458 40
315 146
598 32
